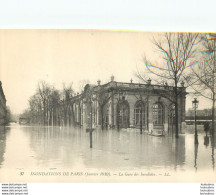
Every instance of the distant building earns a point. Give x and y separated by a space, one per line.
24 121
3 110
129 105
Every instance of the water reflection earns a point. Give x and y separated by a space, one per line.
62 147
206 141
55 146
212 154
195 155
2 143
130 149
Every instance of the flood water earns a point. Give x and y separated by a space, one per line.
23 147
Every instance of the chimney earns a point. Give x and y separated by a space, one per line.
99 82
149 81
112 78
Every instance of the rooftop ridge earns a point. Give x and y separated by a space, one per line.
142 84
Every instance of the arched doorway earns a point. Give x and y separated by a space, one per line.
139 114
123 114
158 115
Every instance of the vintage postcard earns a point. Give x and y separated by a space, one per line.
107 106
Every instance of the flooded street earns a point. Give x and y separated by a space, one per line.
54 148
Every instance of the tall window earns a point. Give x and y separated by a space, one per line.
139 113
157 114
123 114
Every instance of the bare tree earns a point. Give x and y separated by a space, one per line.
50 106
205 71
55 106
35 111
177 53
44 90
67 104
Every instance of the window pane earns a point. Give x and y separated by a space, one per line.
139 112
157 114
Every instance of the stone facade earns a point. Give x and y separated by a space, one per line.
2 106
120 105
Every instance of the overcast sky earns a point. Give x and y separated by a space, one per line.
68 56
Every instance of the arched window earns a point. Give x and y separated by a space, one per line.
157 114
139 113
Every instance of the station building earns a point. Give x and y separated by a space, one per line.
2 106
118 105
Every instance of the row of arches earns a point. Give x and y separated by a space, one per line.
143 114
140 114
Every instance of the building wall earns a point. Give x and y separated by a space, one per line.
149 96
148 100
2 106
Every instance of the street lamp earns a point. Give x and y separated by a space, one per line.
89 100
195 104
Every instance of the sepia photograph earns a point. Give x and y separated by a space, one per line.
107 106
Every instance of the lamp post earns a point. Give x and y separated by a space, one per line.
141 110
195 104
90 100
122 95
